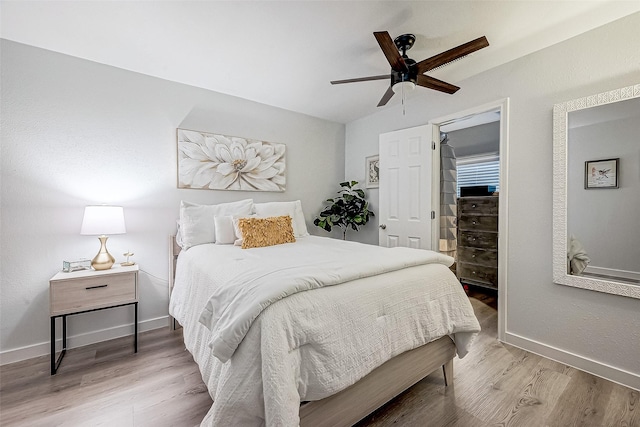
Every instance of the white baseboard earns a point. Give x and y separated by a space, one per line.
612 272
41 349
599 369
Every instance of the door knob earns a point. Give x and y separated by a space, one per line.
383 226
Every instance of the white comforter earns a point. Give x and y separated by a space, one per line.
255 279
312 344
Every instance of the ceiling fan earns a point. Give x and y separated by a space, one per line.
407 73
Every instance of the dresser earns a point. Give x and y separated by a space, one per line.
478 241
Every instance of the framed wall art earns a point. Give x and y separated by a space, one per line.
220 162
372 171
601 173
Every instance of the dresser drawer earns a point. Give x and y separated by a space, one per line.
478 205
478 222
485 257
478 273
478 239
87 293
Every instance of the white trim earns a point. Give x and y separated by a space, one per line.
41 349
501 106
612 272
599 369
435 187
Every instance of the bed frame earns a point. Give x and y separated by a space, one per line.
349 406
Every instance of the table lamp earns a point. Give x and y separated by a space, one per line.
100 221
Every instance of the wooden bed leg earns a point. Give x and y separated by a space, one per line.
447 370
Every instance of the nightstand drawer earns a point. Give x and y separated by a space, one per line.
87 293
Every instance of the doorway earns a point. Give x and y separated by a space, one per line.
484 154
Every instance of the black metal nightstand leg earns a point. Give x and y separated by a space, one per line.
53 345
64 332
135 332
55 363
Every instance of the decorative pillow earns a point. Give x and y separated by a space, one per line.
260 232
225 235
236 228
197 225
293 209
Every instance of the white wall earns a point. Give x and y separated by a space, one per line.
75 132
595 331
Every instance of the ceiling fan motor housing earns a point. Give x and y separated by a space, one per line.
405 76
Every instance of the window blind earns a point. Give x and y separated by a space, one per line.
478 171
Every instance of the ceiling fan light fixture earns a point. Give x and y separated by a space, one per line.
403 86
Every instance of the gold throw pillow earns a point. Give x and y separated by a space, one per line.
261 232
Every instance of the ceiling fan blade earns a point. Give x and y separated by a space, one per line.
452 54
435 84
386 97
390 51
362 79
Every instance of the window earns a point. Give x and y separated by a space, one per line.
478 170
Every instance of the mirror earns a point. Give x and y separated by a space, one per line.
596 192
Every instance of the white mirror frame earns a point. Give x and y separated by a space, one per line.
560 134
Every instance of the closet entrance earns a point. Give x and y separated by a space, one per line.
473 191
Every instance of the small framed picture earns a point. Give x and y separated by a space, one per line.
601 173
372 171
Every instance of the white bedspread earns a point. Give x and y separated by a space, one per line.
313 344
256 278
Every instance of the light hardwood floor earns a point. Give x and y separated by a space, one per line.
495 385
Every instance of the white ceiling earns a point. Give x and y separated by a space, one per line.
285 53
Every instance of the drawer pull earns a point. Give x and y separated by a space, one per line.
96 287
473 256
473 222
474 205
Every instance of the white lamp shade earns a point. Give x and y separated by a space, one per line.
99 220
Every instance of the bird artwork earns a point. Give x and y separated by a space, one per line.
127 262
604 172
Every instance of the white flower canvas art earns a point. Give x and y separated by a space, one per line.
220 162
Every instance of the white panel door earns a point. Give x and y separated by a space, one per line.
406 181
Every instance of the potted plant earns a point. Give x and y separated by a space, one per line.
349 209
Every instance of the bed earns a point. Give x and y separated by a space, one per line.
328 348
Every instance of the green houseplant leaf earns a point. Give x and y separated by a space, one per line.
349 210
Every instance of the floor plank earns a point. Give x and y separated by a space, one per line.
106 384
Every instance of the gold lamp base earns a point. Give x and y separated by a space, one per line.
104 260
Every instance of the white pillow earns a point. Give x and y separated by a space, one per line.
293 209
225 235
197 224
178 234
236 228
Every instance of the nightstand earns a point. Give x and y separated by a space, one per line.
89 290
